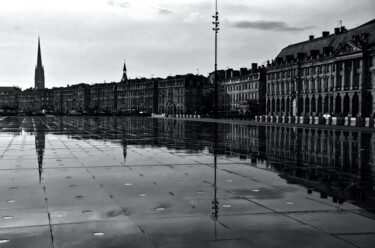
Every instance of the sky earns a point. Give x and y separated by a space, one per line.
87 41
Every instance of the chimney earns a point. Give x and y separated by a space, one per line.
311 37
236 73
337 30
243 71
254 66
228 73
343 29
325 33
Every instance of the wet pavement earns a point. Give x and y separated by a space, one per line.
143 182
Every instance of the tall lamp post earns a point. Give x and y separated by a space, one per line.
216 29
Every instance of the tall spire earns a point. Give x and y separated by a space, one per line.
124 73
39 70
39 63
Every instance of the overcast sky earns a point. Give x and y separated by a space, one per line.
88 40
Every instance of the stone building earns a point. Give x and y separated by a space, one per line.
181 94
103 97
9 98
33 100
242 92
333 74
74 97
137 95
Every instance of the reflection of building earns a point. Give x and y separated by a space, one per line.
330 74
336 163
39 71
341 149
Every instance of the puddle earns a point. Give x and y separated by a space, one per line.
98 233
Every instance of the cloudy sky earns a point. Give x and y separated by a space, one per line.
88 40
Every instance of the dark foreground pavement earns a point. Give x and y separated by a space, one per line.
106 182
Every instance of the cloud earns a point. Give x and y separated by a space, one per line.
194 17
268 25
119 3
163 11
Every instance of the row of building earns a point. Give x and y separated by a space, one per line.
332 74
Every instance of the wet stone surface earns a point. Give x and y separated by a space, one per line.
143 182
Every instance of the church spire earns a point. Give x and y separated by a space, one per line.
39 70
39 63
124 74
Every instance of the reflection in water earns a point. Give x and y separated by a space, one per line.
337 163
40 144
215 202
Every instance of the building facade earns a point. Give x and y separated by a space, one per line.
32 100
333 74
9 99
243 93
181 94
137 95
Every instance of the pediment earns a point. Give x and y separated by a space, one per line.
348 48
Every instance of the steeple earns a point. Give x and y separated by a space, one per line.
124 75
39 70
39 63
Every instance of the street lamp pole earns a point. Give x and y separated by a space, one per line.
216 29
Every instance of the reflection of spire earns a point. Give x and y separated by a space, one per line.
40 143
124 147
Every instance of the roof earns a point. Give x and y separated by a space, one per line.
9 89
332 40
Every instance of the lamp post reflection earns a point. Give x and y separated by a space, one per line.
215 202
